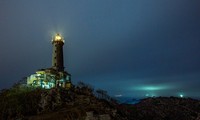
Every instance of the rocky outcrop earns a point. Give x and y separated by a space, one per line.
91 116
75 106
80 103
50 100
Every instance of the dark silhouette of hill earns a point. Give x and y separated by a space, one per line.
81 102
164 108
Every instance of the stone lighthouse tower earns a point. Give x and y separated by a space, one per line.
54 76
57 55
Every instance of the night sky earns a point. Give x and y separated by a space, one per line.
127 47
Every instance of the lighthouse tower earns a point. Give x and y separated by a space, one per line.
57 55
55 76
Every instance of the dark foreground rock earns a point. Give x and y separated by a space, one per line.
165 108
80 103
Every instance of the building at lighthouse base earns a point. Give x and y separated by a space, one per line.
49 78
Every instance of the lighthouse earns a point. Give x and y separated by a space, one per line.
57 55
55 76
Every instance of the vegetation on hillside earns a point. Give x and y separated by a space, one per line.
82 102
19 101
77 103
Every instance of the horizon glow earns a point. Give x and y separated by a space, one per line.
151 88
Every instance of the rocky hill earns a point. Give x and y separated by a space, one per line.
83 103
78 103
164 108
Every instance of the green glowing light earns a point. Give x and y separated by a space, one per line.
151 88
181 95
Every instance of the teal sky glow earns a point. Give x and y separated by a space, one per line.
151 88
126 47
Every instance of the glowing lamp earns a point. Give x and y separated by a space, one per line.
58 38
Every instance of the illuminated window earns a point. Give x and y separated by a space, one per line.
67 78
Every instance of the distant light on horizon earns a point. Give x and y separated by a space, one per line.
181 95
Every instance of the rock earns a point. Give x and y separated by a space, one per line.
79 104
91 116
49 101
104 117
